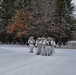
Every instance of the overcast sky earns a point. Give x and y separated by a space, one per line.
74 2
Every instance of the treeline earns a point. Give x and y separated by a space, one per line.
20 19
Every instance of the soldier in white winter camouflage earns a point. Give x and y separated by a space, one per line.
31 42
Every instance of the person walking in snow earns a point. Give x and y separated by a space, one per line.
39 46
43 50
31 42
48 46
53 44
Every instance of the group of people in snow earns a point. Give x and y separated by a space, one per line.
45 46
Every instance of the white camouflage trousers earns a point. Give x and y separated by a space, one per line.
39 50
31 48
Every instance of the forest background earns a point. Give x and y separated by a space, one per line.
20 19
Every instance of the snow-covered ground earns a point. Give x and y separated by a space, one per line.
16 60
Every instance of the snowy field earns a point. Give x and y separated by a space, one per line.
16 60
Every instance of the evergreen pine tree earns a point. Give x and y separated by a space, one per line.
63 13
6 12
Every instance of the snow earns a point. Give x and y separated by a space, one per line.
71 44
16 60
